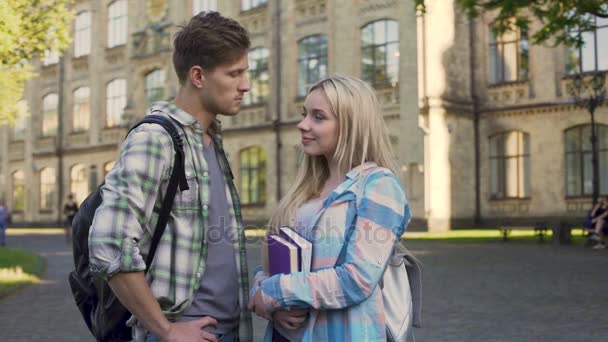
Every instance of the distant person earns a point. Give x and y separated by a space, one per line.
69 210
599 218
5 217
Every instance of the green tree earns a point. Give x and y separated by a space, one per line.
557 17
28 29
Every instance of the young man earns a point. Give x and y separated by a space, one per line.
196 288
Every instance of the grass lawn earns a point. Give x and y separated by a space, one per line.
466 235
18 268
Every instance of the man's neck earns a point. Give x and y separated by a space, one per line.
190 104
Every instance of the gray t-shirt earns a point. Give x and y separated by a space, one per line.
218 294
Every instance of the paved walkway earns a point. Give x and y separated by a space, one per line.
472 292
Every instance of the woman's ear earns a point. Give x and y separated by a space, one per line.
197 76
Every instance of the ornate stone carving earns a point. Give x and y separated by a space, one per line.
16 150
80 64
156 10
377 5
256 20
116 55
155 38
508 94
112 135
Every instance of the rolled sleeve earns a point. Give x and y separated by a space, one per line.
121 225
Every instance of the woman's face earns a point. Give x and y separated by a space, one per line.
319 126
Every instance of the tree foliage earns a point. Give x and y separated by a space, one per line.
28 29
558 18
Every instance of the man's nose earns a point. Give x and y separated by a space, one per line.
244 85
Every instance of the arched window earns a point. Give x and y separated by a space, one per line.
82 34
18 191
155 86
579 169
312 62
258 76
510 165
79 185
82 109
48 180
49 115
253 175
117 23
380 53
116 100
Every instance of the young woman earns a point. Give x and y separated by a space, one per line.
347 183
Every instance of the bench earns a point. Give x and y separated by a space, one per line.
540 230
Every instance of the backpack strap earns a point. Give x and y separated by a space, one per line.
178 176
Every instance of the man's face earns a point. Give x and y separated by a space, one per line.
224 87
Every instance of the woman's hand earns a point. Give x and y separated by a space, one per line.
290 318
262 304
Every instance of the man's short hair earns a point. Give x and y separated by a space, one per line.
208 40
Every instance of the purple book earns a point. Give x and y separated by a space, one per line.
282 256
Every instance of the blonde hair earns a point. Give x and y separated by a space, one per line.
363 137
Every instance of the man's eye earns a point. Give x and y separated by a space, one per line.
303 114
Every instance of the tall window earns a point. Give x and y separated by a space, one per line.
312 62
82 109
380 53
49 115
48 180
579 169
203 5
593 55
79 185
117 23
259 77
20 121
508 57
510 165
18 191
253 175
82 34
249 4
155 86
116 100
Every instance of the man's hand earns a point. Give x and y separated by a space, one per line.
291 318
191 331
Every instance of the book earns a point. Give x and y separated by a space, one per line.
282 256
304 247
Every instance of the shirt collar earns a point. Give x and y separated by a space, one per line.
183 117
354 173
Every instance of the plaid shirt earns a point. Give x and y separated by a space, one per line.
132 197
341 289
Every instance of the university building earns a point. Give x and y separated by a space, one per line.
483 126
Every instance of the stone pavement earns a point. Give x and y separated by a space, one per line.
472 292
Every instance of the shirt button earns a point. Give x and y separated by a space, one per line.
205 207
198 275
205 173
188 173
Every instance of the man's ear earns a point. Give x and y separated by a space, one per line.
197 76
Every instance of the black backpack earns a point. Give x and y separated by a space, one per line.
103 313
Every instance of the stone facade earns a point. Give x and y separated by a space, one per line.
440 115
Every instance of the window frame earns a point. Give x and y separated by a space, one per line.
116 94
260 89
48 189
18 204
502 157
252 4
80 123
570 67
76 185
118 23
582 152
497 43
315 41
47 126
373 46
82 34
246 193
